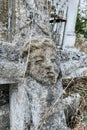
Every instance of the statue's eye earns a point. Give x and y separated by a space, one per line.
39 61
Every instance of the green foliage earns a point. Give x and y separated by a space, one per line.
53 8
85 117
81 25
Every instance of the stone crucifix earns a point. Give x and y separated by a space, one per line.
32 99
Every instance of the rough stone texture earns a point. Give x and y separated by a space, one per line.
4 117
9 52
40 88
32 19
3 19
10 66
73 63
42 62
31 106
38 92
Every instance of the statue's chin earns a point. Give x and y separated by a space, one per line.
46 79
46 82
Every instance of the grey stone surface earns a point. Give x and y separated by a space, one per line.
73 63
38 80
4 117
31 99
38 91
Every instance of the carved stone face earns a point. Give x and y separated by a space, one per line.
42 63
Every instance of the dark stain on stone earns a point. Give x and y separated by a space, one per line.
50 97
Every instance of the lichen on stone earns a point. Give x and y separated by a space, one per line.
42 62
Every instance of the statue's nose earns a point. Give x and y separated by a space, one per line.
48 62
48 68
48 65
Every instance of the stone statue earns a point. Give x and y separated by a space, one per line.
42 65
35 97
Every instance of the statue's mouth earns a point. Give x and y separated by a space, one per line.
51 77
50 74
